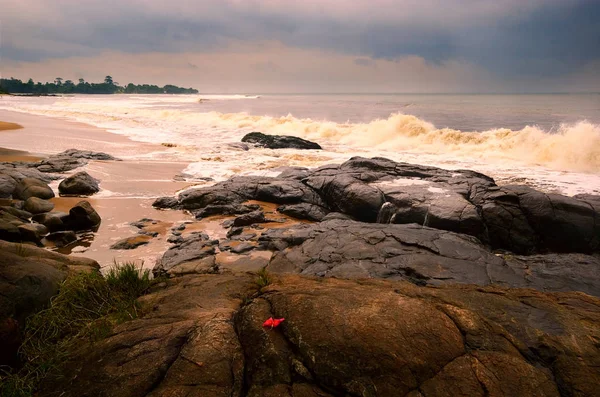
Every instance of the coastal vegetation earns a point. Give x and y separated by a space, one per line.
86 308
108 86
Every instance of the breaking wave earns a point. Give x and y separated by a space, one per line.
573 147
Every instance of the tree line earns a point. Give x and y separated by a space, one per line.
61 86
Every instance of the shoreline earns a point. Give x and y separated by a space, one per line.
128 187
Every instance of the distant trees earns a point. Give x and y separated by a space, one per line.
109 86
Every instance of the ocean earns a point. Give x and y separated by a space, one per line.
550 142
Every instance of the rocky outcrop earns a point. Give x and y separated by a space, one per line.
421 255
70 160
514 218
279 141
29 277
79 184
205 336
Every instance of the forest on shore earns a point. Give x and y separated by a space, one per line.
108 86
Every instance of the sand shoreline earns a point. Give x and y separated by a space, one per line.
128 187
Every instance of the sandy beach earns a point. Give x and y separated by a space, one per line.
128 187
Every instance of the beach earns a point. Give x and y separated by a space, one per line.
128 187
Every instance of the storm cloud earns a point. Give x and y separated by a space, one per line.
549 44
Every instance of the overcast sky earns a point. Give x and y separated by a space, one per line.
308 45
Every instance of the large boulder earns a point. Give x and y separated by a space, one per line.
279 141
79 184
205 337
31 187
82 217
37 205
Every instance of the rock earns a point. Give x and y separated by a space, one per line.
87 154
421 255
250 218
7 186
70 159
82 217
515 218
241 248
310 212
130 243
36 205
29 278
31 187
79 184
32 232
62 239
195 254
341 338
9 231
526 221
25 170
166 202
20 214
54 221
279 141
226 209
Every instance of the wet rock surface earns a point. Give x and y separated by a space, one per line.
513 218
279 141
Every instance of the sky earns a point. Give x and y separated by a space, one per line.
262 46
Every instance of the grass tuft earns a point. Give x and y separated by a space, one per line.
86 308
263 278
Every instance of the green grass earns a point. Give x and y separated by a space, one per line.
86 308
263 278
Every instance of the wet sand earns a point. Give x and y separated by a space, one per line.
128 187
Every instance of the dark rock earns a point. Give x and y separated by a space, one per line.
70 159
87 154
22 215
250 218
304 211
337 215
79 184
82 217
31 187
297 173
526 221
54 221
62 239
279 141
227 209
130 243
9 231
195 254
243 247
36 205
7 186
166 203
32 232
24 170
421 255
174 239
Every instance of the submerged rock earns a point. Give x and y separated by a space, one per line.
36 205
279 141
130 243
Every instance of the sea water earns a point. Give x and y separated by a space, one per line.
550 142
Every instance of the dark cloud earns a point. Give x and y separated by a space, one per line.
507 37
